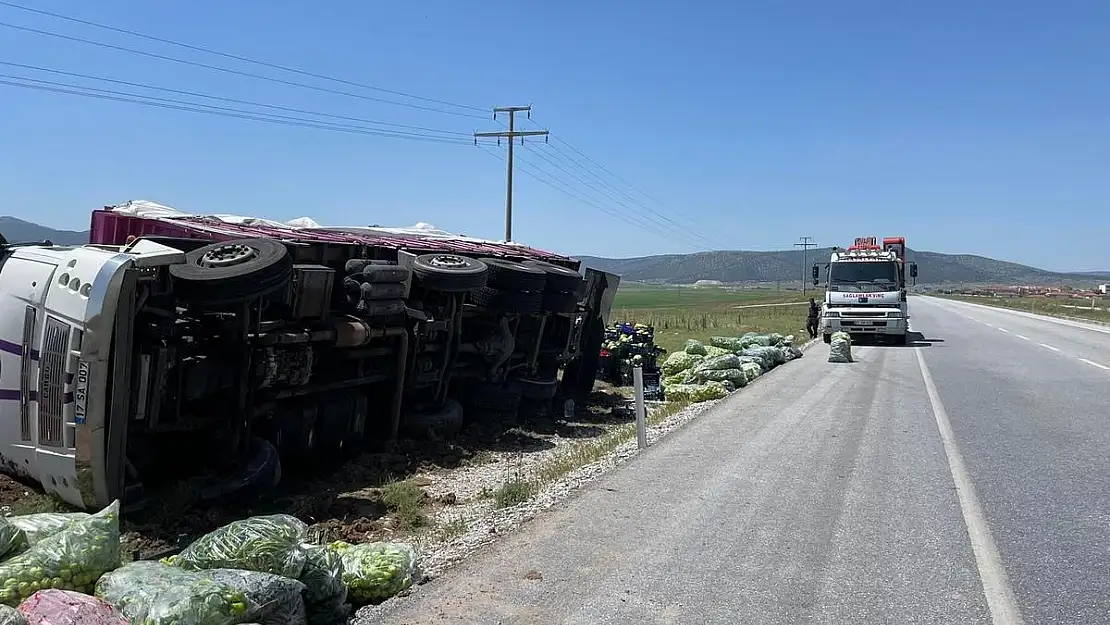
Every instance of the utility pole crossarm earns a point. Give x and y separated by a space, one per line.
510 134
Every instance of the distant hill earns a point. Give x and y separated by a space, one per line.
786 265
20 231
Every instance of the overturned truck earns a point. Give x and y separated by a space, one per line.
211 350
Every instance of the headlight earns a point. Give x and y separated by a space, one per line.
894 314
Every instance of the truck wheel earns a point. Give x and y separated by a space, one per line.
443 423
450 273
827 338
520 302
232 271
514 276
903 340
559 279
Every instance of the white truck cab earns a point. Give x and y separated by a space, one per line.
866 290
58 314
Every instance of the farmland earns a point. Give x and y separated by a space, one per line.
680 313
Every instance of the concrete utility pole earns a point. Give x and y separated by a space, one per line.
805 245
510 134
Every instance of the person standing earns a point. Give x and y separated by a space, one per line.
811 320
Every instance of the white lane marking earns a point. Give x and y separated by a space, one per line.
1004 330
1095 364
996 583
1022 337
987 324
1047 346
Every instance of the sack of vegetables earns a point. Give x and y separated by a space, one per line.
325 594
44 524
266 544
65 607
375 572
11 616
277 598
12 539
72 559
151 593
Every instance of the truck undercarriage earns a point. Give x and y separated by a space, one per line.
214 354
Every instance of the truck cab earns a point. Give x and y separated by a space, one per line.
865 291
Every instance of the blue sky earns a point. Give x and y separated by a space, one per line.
979 127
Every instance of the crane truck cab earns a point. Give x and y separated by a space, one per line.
865 292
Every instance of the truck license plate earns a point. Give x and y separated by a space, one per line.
81 392
863 323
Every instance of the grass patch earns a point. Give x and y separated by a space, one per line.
405 501
450 530
1043 306
515 491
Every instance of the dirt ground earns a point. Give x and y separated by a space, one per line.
346 502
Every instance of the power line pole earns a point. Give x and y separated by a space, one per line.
510 134
805 245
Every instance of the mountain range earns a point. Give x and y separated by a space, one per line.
728 266
744 266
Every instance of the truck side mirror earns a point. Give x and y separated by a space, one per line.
816 275
913 270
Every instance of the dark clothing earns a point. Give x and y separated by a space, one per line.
811 320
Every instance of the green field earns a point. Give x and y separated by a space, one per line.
1043 306
680 313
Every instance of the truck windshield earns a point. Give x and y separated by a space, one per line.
863 276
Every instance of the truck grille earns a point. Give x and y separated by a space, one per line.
52 373
867 313
25 373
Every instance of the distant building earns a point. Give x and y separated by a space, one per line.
1104 289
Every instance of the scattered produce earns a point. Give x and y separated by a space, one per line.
375 572
266 544
65 607
625 347
72 559
152 593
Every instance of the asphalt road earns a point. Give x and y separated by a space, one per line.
964 480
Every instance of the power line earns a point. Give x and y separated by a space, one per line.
235 72
232 100
510 134
218 111
235 57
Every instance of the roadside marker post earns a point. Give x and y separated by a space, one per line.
641 411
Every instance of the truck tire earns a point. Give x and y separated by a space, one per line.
450 273
232 271
559 279
559 302
520 302
432 424
513 276
903 340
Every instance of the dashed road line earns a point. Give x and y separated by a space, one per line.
1095 364
1022 337
1047 346
996 583
1004 330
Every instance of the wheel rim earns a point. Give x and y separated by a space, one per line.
227 255
447 262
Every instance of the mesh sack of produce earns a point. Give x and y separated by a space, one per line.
278 600
788 340
751 339
72 559
65 607
266 544
763 358
731 343
375 572
11 616
751 370
325 594
736 376
840 347
775 339
12 539
152 593
694 347
726 361
791 352
716 352
697 392
680 361
44 524
671 380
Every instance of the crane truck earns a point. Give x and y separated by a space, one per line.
865 292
